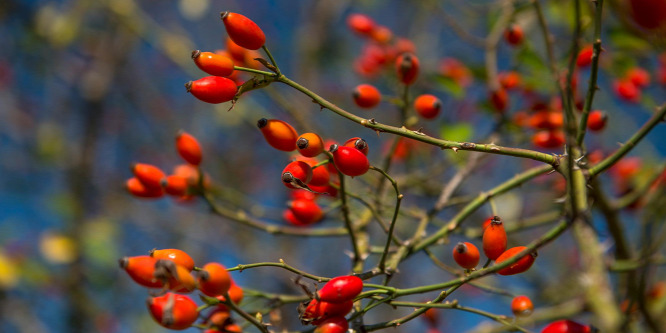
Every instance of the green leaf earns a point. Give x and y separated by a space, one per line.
450 87
623 40
457 132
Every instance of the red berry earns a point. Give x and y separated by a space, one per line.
359 144
548 139
350 161
279 134
243 31
188 148
466 255
317 311
366 96
514 34
585 56
320 174
341 289
296 173
648 14
333 325
173 311
521 306
519 266
306 211
407 67
596 120
639 77
360 24
213 63
141 269
180 257
212 89
627 90
214 279
427 106
288 215
499 99
566 326
494 239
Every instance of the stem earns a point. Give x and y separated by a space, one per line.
382 261
416 135
280 264
656 118
228 302
270 57
357 266
252 70
479 201
454 305
243 218
592 86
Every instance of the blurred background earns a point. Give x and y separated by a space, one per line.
89 87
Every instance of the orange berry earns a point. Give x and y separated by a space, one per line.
135 187
407 67
237 52
141 269
213 63
310 144
509 80
176 277
235 293
427 106
366 96
243 31
494 239
522 306
466 255
381 34
519 266
175 185
173 311
149 175
214 279
180 257
279 134
188 148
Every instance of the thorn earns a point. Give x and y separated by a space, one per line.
455 149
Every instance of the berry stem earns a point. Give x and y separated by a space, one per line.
270 57
594 69
382 261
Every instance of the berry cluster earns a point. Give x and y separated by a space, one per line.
173 272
